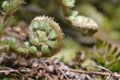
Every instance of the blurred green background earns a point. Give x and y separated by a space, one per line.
105 12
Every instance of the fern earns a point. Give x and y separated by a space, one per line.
107 55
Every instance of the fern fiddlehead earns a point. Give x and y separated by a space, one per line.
45 39
86 26
46 35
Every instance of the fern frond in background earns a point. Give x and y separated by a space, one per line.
107 55
103 54
9 8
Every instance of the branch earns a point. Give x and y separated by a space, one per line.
116 75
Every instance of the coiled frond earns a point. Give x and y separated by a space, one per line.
84 25
45 39
46 35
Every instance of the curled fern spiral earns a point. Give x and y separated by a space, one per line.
45 39
46 35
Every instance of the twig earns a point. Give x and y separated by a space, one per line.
62 72
47 76
116 75
103 68
110 76
7 71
